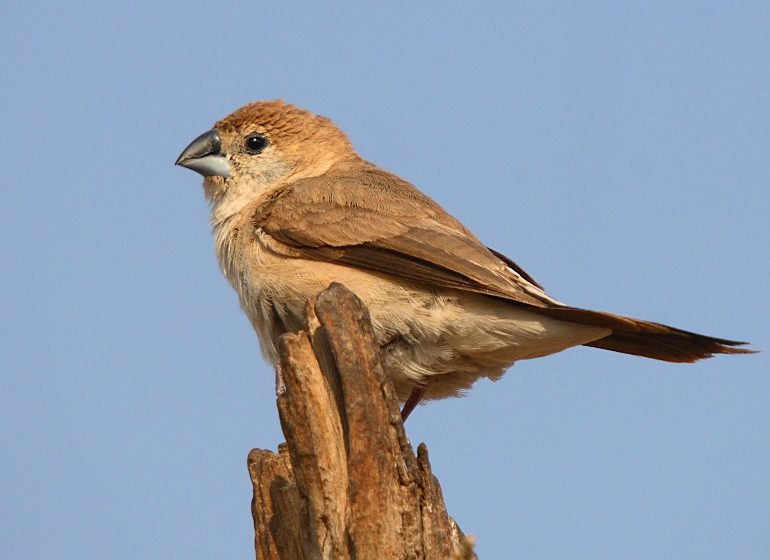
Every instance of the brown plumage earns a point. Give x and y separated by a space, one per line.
294 208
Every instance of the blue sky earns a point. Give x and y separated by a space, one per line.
620 152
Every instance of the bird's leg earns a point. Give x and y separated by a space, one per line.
280 386
414 399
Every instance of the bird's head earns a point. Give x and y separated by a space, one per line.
261 147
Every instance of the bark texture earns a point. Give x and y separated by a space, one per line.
347 483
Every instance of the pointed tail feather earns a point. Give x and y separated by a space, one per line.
676 346
648 339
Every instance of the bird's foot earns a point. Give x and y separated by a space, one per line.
280 386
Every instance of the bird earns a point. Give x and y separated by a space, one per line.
295 208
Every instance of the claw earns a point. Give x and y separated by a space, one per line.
280 386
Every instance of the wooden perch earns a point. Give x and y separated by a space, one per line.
346 484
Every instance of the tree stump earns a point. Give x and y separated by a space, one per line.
346 484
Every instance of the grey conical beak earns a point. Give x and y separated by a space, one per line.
203 155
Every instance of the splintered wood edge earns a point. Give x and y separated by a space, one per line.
275 507
314 437
383 498
440 531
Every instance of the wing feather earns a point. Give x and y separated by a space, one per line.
374 220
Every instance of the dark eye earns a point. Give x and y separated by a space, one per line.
256 143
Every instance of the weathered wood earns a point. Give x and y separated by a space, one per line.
348 485
313 432
436 523
275 506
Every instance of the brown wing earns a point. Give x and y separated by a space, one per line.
365 217
373 220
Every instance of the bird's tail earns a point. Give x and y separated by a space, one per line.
648 339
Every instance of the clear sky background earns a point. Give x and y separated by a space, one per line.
620 152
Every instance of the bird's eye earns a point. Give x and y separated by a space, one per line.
256 143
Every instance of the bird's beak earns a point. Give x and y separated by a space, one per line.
204 156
